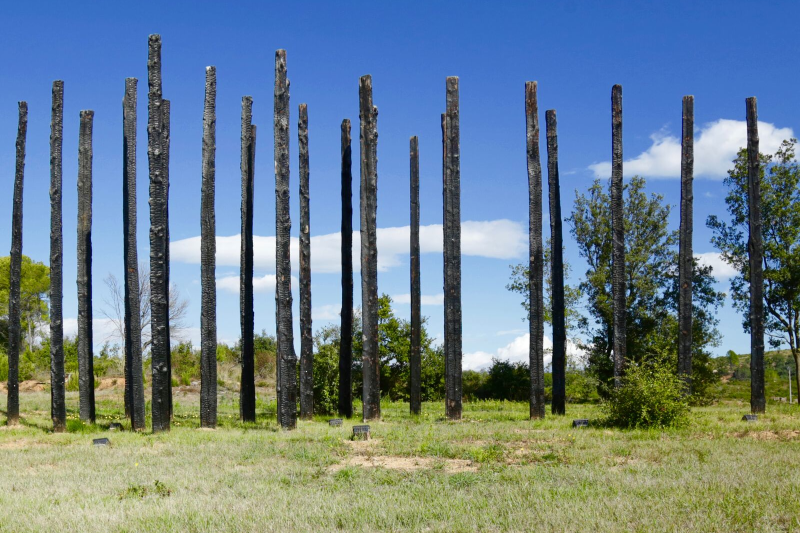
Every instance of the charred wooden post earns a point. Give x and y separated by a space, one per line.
159 287
247 390
306 340
287 360
452 253
444 256
536 253
558 406
414 356
617 236
345 406
208 262
134 382
15 274
58 409
755 249
85 338
368 118
685 254
165 110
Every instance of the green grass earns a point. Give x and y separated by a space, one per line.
494 471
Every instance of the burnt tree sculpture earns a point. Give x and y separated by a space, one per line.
306 339
165 110
618 292
134 382
536 253
58 409
370 358
755 249
85 337
345 406
287 359
452 253
159 288
558 406
208 250
444 215
15 274
414 355
685 255
247 390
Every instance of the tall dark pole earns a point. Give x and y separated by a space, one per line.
346 340
287 360
618 292
414 357
85 338
208 250
452 253
247 390
368 118
15 275
159 241
58 409
755 248
306 340
444 255
558 406
134 381
165 114
685 255
536 257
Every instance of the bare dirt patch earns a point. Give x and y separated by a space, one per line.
786 434
407 464
111 383
20 444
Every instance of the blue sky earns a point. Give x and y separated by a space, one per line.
575 50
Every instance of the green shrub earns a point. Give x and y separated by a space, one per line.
650 395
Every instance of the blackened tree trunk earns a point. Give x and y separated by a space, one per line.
247 390
685 255
159 288
85 338
755 249
306 340
15 274
208 250
58 409
287 360
617 235
536 253
414 356
444 258
346 340
558 406
452 254
370 358
165 115
134 381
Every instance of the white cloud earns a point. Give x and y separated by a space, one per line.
515 351
715 147
264 283
103 329
497 239
328 312
722 270
427 299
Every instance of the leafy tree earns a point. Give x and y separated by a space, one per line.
780 212
34 292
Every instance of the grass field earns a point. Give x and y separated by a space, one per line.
493 471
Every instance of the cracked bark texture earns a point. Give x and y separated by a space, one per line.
444 215
452 253
286 383
370 358
618 293
414 357
15 274
536 253
85 337
159 288
247 390
559 401
134 382
345 406
208 250
58 409
306 340
755 249
685 255
165 110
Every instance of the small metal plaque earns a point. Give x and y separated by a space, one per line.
335 422
580 423
101 442
750 418
115 426
361 432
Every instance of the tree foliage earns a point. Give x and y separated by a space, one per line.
34 294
